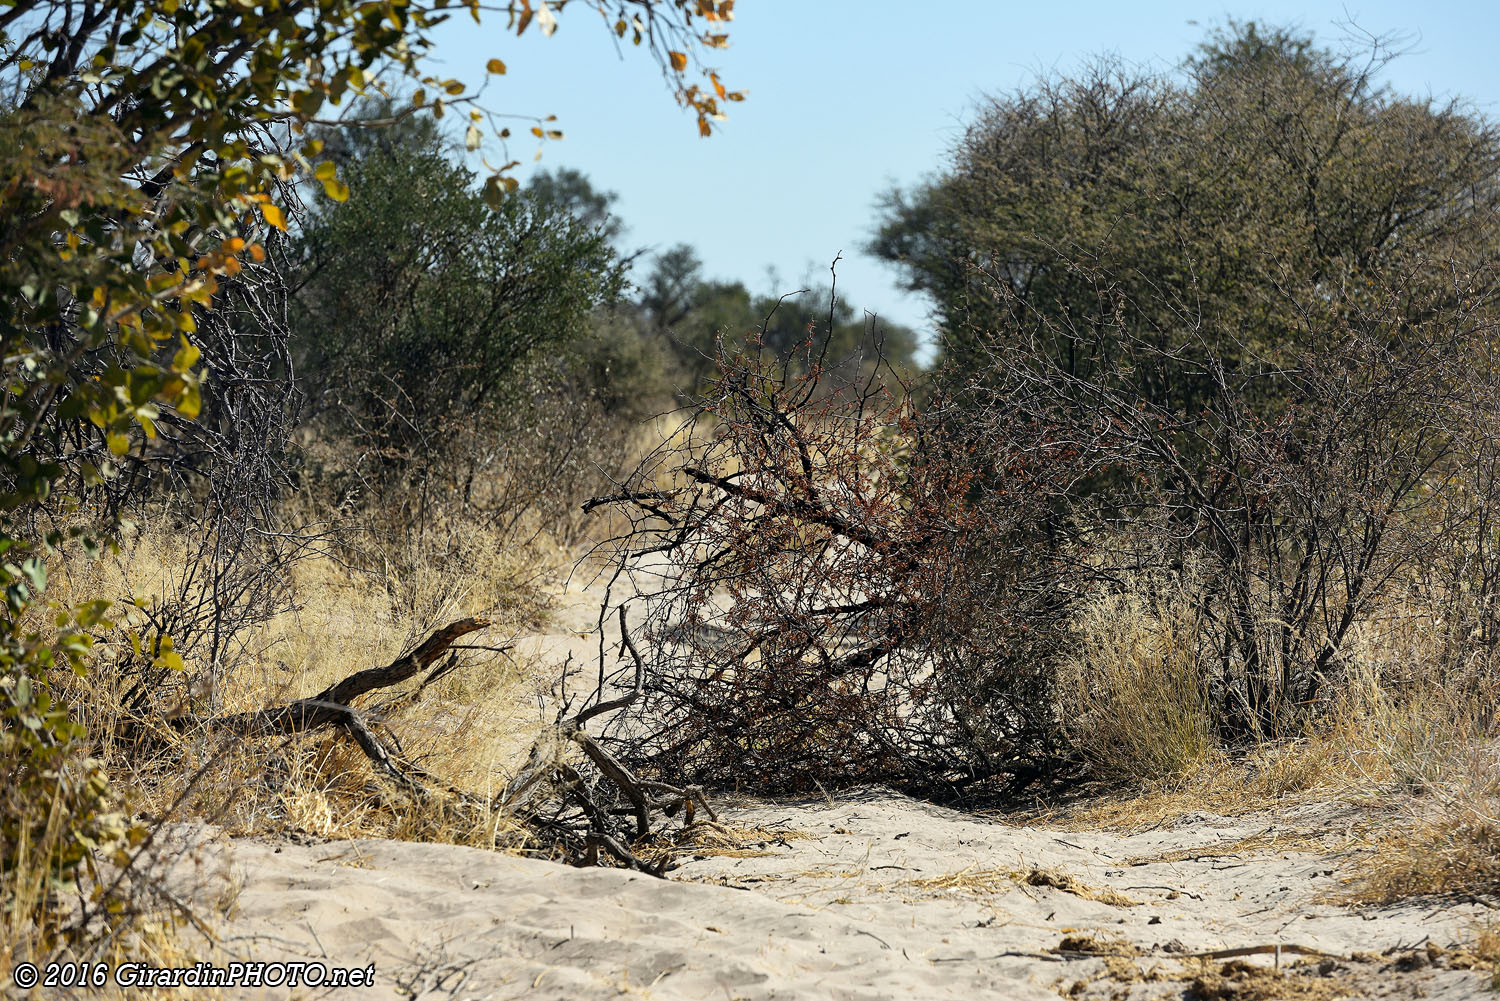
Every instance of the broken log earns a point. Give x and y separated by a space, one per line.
331 706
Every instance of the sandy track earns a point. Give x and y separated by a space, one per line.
868 896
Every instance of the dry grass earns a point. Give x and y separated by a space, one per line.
710 839
1449 842
467 730
1238 980
1378 742
1132 689
983 882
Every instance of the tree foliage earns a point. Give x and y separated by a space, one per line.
699 316
148 153
1269 169
417 299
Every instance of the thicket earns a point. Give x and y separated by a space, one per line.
1218 358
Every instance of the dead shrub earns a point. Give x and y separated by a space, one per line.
823 598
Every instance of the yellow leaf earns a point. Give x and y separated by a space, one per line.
679 60
274 216
325 171
191 403
495 66
186 356
336 189
257 253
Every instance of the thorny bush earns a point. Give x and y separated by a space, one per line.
1306 519
830 594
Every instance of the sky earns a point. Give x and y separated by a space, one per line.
849 98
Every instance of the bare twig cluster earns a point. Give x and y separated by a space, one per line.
841 586
827 602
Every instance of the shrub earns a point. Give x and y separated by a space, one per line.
833 604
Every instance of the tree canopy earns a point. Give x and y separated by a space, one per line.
417 299
1267 169
149 150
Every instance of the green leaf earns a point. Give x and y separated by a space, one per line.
36 572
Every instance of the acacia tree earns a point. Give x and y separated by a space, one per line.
147 150
435 335
1269 172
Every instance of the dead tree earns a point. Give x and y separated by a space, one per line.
832 597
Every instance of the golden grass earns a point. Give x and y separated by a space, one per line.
1131 690
1377 744
468 730
1448 844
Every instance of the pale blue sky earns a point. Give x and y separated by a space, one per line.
848 96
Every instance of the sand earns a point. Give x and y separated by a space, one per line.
862 896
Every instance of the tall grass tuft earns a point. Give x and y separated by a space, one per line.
1132 698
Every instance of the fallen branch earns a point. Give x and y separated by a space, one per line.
332 706
544 784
